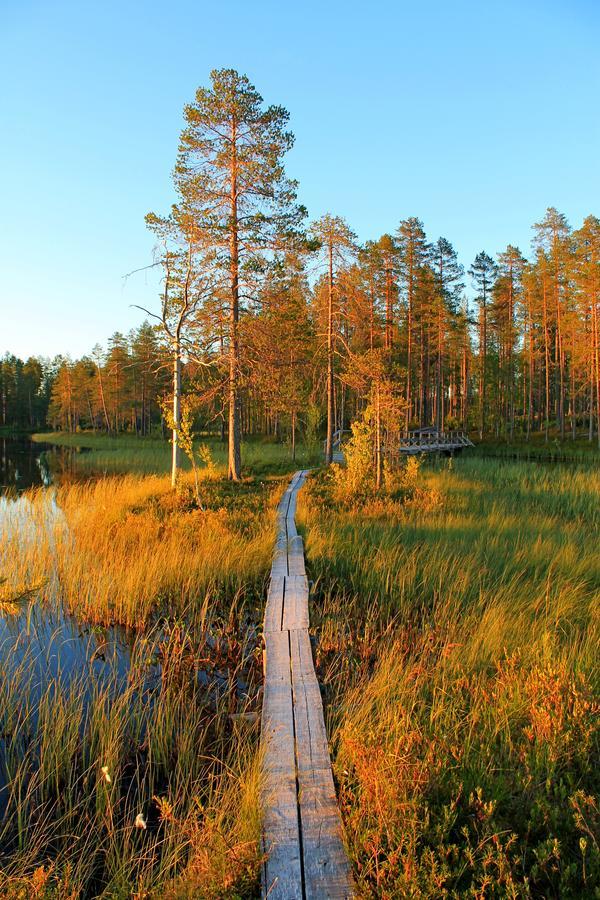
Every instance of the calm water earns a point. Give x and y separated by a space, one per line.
25 464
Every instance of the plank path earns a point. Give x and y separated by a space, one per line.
305 858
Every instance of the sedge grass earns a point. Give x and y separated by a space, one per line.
117 782
125 549
91 754
458 643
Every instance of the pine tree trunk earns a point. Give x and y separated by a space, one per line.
235 454
330 382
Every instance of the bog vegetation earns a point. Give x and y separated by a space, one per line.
141 775
458 638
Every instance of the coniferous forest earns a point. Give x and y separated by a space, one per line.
277 321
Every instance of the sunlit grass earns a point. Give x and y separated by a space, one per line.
126 548
119 785
459 648
90 757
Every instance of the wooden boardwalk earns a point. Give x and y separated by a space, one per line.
302 830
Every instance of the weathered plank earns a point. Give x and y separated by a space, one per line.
295 606
326 867
296 564
274 609
282 871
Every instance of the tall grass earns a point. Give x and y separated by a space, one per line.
536 447
458 641
137 776
124 549
126 784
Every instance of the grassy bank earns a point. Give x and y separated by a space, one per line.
152 455
458 633
118 787
171 734
127 549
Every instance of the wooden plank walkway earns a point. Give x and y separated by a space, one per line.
305 857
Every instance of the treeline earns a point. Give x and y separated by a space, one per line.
115 389
284 319
267 324
25 388
522 356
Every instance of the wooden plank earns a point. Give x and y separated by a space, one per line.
291 513
296 564
282 870
295 607
326 867
274 607
279 568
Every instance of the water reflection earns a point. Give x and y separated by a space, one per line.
25 463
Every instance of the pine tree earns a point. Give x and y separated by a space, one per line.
231 179
552 236
338 244
414 250
483 272
448 275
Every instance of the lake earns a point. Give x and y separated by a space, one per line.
25 464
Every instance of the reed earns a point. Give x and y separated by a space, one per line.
122 550
116 783
135 775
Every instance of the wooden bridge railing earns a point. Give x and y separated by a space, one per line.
430 441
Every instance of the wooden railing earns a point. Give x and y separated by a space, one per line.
431 441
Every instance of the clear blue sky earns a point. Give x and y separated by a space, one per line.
473 115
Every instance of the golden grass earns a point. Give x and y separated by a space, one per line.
125 548
458 642
88 754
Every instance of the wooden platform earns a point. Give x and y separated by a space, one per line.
305 858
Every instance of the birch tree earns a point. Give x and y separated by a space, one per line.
186 288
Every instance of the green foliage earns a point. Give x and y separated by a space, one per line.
356 481
311 428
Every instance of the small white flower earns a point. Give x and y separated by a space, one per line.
140 822
107 777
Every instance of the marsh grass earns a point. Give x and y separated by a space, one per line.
88 754
166 739
458 643
578 450
125 549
